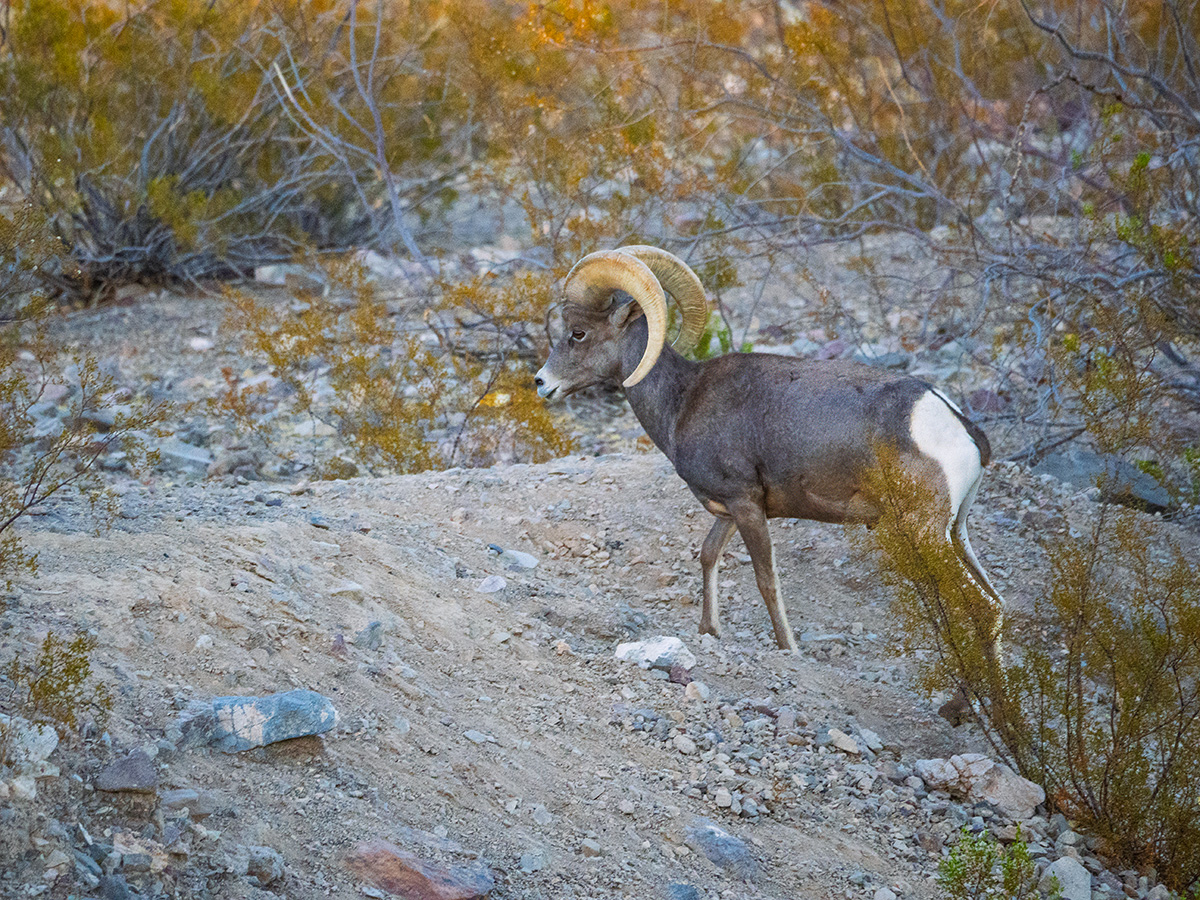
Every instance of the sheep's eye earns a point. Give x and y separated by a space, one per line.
577 335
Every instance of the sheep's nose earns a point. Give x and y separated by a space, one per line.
539 381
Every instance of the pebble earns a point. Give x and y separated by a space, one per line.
590 848
492 584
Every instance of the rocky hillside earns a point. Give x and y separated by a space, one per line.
484 722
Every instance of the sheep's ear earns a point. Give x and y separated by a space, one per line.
623 314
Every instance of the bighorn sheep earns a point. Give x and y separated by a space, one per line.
758 436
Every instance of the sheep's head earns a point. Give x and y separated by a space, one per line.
605 293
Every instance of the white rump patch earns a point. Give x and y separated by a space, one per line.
939 434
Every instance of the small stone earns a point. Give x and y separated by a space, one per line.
532 862
492 584
680 891
721 848
400 872
844 742
590 848
873 741
627 807
723 798
1074 880
697 690
1158 892
885 894
204 642
684 744
136 773
478 737
265 864
542 816
349 592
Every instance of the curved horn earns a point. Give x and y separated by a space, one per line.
678 280
592 281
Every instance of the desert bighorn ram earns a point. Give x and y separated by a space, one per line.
758 436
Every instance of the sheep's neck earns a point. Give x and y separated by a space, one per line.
658 398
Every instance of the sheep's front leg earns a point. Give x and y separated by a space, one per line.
710 555
752 525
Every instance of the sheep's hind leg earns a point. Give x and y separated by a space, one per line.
752 525
710 555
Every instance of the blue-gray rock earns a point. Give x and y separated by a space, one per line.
243 723
1121 482
113 887
135 773
680 891
721 848
265 864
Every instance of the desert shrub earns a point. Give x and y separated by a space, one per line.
1097 695
45 447
978 868
397 398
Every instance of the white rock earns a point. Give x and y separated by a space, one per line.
657 653
844 742
200 344
697 690
23 787
204 642
1073 879
723 797
885 894
29 742
492 584
977 778
684 744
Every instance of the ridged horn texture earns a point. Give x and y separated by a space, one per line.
591 283
678 280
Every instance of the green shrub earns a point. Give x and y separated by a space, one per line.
978 868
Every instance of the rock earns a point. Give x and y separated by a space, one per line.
873 741
136 773
492 584
199 804
590 849
1122 482
265 864
230 460
533 861
844 742
513 559
978 779
684 744
885 894
1073 879
721 848
697 690
1158 892
478 737
176 454
232 724
723 798
680 891
113 887
28 742
657 653
400 872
